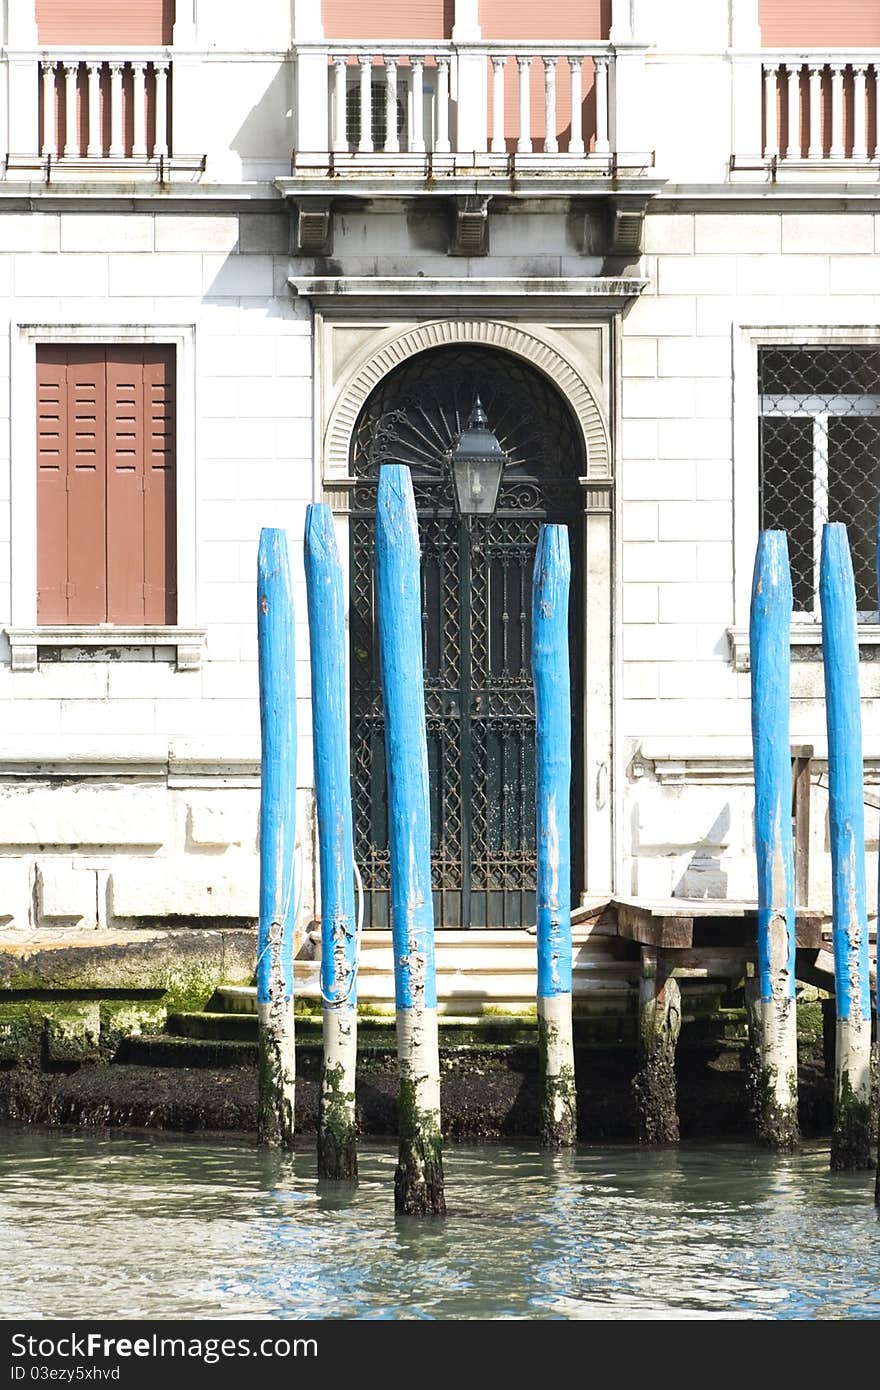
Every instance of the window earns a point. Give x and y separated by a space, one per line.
819 444
106 484
378 110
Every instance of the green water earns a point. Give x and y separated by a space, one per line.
122 1226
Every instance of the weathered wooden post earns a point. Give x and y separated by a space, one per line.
772 1009
337 1144
850 1139
418 1181
275 1105
654 1085
550 671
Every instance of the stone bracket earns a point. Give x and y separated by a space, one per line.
626 226
469 233
615 226
313 224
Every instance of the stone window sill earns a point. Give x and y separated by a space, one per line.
806 643
94 639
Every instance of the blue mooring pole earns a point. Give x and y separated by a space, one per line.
850 1139
772 1009
275 1106
418 1181
551 581
337 1142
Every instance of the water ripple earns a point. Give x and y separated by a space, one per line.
113 1225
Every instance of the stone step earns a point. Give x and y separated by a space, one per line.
454 1031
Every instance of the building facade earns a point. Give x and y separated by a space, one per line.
247 256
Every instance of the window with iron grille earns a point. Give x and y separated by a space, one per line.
819 445
378 111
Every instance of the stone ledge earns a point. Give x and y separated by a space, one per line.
26 642
806 643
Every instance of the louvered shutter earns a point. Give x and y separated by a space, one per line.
160 486
52 485
141 533
106 485
71 482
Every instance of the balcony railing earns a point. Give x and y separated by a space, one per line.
393 106
817 112
98 110
817 109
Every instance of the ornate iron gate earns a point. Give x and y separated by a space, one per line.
476 610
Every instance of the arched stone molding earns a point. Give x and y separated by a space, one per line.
571 382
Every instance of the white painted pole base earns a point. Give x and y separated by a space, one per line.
558 1124
337 1128
773 1079
418 1182
851 1133
277 1071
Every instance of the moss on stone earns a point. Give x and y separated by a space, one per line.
337 1129
851 1132
418 1180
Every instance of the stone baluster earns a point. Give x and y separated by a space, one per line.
340 105
499 63
442 145
860 119
365 138
524 142
139 98
71 104
417 75
551 144
50 144
836 150
576 143
603 145
117 136
771 130
793 105
392 140
814 149
95 147
160 147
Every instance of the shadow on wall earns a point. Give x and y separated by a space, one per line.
704 877
265 136
680 870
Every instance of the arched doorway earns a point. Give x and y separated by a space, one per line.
476 604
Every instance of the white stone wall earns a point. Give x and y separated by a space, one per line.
98 844
719 281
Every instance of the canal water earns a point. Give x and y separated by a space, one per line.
112 1225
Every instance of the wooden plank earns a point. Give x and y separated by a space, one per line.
638 923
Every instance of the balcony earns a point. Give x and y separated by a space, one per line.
398 114
94 114
811 114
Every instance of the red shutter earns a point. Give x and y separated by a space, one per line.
51 485
71 480
106 494
141 533
125 485
86 486
160 486
105 21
